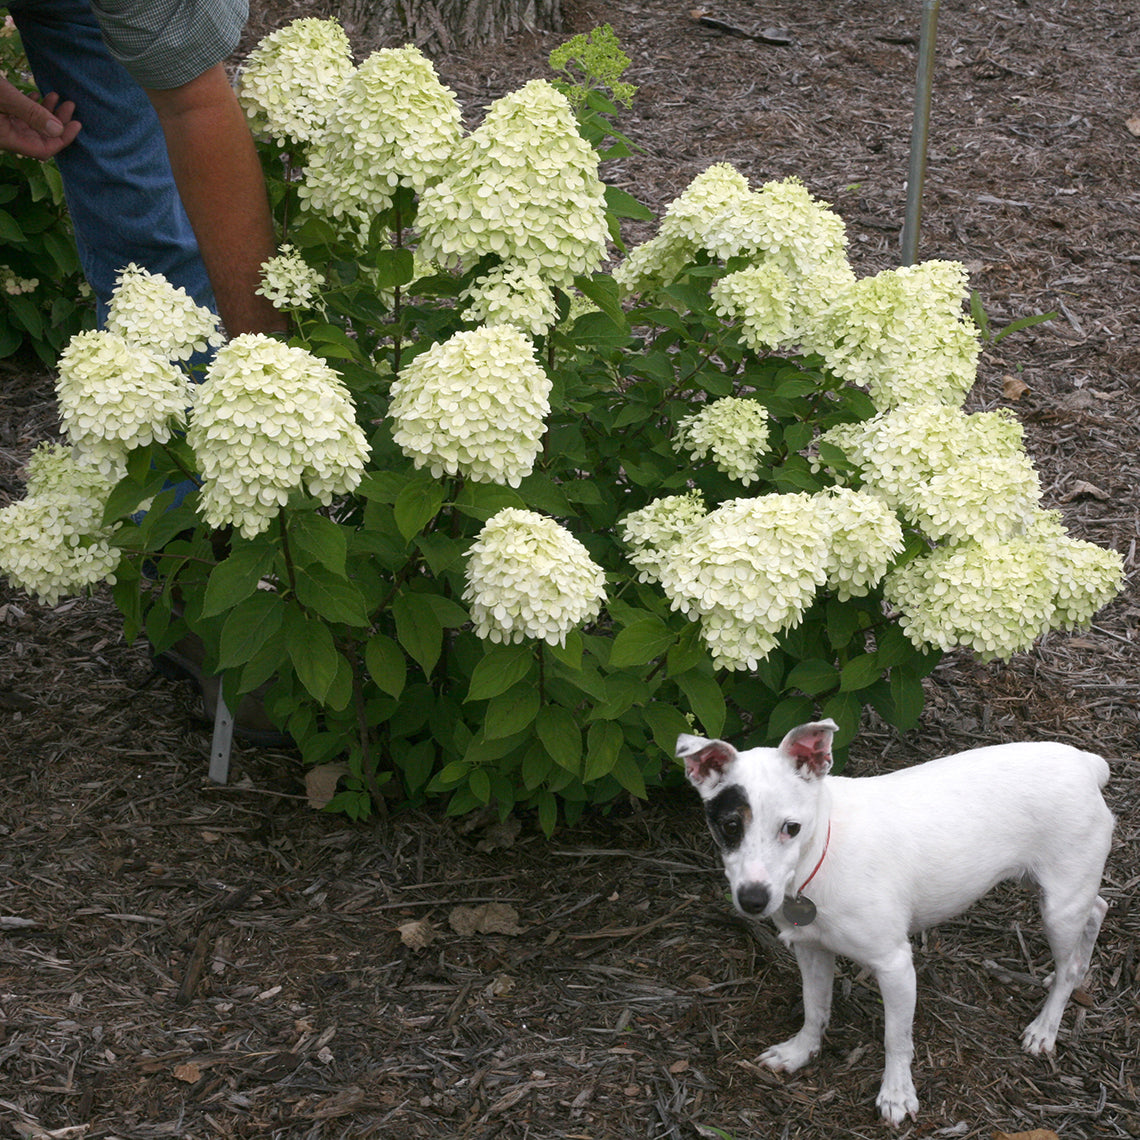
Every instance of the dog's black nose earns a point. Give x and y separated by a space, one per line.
753 897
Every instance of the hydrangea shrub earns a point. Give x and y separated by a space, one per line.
497 523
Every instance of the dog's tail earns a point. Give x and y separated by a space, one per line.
1098 766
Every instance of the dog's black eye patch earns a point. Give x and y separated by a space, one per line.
729 815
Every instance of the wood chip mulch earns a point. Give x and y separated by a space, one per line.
179 959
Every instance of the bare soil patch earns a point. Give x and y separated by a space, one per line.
179 959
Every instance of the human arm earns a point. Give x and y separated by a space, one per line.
219 178
35 128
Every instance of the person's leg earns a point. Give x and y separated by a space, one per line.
117 178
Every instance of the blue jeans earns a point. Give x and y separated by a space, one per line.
120 192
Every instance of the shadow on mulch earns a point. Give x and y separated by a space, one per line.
180 959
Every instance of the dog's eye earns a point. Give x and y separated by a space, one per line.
733 829
791 830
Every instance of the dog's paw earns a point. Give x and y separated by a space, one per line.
1039 1037
897 1100
790 1055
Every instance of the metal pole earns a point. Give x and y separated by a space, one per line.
920 131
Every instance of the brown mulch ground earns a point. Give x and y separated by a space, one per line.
180 959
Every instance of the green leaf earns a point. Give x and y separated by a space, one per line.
788 714
666 723
626 205
385 663
641 642
511 712
418 629
603 291
603 745
813 677
499 669
416 505
560 736
859 672
547 812
310 646
314 538
846 709
908 698
333 598
235 578
482 500
628 774
247 628
706 699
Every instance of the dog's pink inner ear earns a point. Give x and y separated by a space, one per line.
714 757
812 750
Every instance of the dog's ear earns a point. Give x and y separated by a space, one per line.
809 748
705 760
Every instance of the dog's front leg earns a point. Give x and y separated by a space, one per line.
817 971
897 1096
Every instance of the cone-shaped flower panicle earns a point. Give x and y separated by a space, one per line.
527 576
473 405
271 421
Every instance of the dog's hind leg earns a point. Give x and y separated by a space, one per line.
817 972
1071 930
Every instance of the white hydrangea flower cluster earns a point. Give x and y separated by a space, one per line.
513 294
734 429
748 571
686 221
289 82
761 299
998 598
393 124
115 396
903 334
154 315
473 405
288 282
527 576
523 185
956 477
53 542
271 420
864 537
651 532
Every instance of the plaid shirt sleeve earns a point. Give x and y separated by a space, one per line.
165 43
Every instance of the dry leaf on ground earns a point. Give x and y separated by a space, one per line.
1013 387
417 934
321 781
190 1073
489 918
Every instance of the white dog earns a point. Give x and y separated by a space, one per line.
855 866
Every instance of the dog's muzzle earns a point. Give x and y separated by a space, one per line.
753 898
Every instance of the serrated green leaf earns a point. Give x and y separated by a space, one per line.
511 712
641 642
314 538
416 505
331 597
309 643
418 629
908 697
790 713
604 741
236 577
560 736
812 677
500 667
385 663
248 627
706 699
629 775
859 672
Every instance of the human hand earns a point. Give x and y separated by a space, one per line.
38 128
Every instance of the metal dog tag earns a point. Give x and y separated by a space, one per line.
799 911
